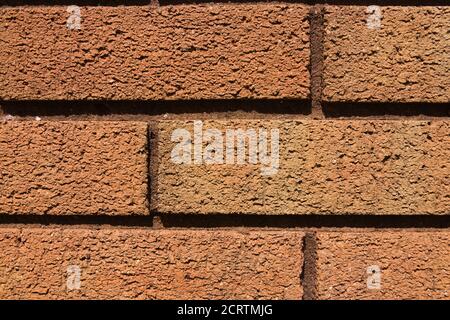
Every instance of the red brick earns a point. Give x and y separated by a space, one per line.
220 51
406 59
412 264
129 263
77 167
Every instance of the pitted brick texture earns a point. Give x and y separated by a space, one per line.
405 60
220 51
150 264
413 264
75 167
326 167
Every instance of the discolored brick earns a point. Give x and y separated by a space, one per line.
374 167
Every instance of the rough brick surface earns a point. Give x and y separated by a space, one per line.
173 52
73 167
139 263
413 264
406 59
325 167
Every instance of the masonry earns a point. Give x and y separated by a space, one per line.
349 106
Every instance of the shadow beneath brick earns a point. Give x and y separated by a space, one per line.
385 110
157 220
76 2
77 220
134 2
385 2
133 107
178 2
302 221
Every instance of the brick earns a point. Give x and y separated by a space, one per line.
73 167
412 264
325 167
220 51
406 59
129 263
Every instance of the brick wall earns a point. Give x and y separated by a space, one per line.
243 150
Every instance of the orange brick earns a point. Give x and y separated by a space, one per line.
133 263
411 265
77 167
387 54
220 51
